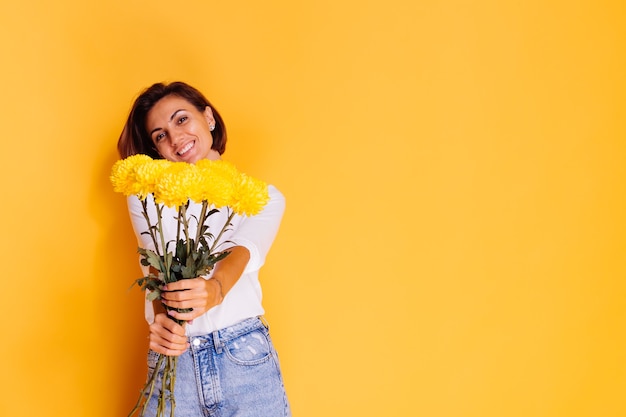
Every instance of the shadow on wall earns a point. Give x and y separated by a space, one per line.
119 314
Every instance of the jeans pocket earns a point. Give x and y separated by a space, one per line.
249 349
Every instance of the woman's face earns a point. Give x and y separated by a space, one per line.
180 132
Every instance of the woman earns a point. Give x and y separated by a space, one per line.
227 364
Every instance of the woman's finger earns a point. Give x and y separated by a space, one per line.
184 284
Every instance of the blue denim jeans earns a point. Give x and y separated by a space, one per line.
230 372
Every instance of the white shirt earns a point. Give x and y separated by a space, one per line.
256 233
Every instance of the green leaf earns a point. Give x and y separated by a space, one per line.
151 258
180 250
154 295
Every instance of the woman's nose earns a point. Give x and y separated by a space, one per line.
175 138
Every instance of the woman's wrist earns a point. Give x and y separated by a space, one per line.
220 287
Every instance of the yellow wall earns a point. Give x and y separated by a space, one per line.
454 242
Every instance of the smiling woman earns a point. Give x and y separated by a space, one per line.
220 312
166 109
180 132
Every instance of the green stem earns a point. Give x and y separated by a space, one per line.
201 221
148 388
172 381
167 260
182 216
162 398
144 205
217 239
153 382
178 224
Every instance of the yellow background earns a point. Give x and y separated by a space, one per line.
454 242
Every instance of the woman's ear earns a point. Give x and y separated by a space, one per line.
208 113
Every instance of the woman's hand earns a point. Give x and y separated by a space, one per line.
166 336
201 294
198 294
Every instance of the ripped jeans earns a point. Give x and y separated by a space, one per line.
230 372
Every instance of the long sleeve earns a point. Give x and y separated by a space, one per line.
257 233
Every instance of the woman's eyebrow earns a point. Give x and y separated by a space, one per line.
171 118
175 113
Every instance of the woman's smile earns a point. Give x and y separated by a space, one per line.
186 148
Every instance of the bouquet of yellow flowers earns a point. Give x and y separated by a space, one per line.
213 184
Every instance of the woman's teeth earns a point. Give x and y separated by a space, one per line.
185 149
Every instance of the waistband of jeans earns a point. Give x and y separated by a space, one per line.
220 337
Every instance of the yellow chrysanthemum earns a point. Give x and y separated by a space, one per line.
250 195
220 167
148 175
216 182
176 183
123 174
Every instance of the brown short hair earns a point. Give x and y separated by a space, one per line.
135 138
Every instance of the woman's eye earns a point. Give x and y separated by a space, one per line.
159 137
182 119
